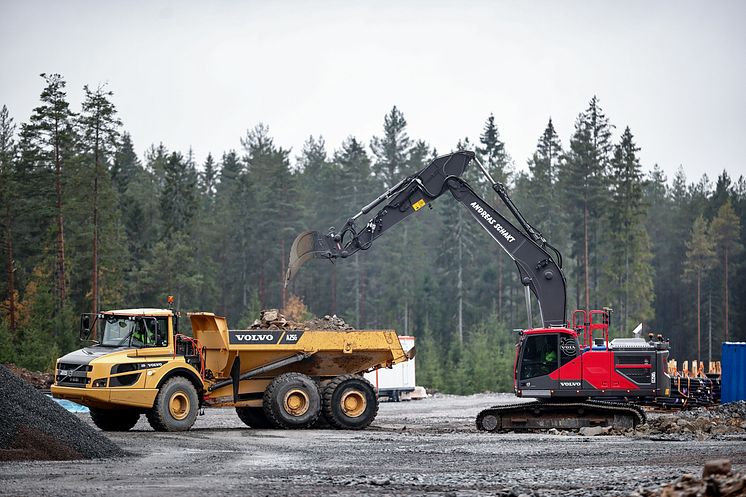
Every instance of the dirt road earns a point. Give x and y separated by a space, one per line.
414 448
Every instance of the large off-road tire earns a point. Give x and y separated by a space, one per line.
292 401
114 419
350 402
176 406
254 417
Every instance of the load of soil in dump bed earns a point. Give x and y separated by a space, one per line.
34 427
38 379
272 319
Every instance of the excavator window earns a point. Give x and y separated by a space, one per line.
539 355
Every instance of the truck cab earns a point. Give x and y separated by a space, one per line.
133 353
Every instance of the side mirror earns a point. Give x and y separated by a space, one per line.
85 326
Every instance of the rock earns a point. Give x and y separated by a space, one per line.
270 315
716 467
592 431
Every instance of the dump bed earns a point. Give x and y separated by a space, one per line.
327 353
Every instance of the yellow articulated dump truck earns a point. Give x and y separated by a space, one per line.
140 364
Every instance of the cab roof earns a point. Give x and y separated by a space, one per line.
140 312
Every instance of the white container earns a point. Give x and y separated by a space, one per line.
398 381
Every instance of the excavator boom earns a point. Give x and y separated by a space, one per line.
539 272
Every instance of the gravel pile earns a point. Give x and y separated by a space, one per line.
40 380
34 427
718 480
272 319
701 423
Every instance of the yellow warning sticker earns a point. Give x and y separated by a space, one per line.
418 205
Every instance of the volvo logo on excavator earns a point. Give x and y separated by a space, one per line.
492 221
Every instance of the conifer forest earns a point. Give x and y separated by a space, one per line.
88 224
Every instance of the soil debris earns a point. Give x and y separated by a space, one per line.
38 379
718 480
700 423
35 427
273 319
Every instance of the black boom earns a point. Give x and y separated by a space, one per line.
539 272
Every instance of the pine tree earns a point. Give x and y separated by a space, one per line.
700 257
726 231
48 136
99 132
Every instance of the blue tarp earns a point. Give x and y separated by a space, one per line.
70 406
733 363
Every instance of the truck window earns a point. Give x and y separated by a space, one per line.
539 356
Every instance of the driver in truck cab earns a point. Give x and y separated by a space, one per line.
143 333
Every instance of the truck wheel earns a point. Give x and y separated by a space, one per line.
114 419
350 402
253 417
175 407
292 400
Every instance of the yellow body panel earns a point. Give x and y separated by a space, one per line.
327 354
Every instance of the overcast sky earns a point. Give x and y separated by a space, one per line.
200 74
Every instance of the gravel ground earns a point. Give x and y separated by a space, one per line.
33 426
427 447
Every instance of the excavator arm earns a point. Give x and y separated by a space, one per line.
539 272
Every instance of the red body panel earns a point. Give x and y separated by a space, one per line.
596 367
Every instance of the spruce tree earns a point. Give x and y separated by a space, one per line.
542 185
583 184
492 148
628 268
392 149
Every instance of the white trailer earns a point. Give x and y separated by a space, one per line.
398 382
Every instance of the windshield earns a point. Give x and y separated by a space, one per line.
125 331
115 331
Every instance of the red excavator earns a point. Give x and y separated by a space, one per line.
577 376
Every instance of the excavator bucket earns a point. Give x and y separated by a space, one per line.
308 245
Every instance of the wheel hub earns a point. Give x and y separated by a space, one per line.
296 402
353 403
178 406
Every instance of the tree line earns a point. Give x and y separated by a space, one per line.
88 224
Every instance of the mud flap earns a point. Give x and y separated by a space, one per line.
306 246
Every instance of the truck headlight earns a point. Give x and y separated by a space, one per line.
100 383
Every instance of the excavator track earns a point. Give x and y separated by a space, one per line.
538 415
